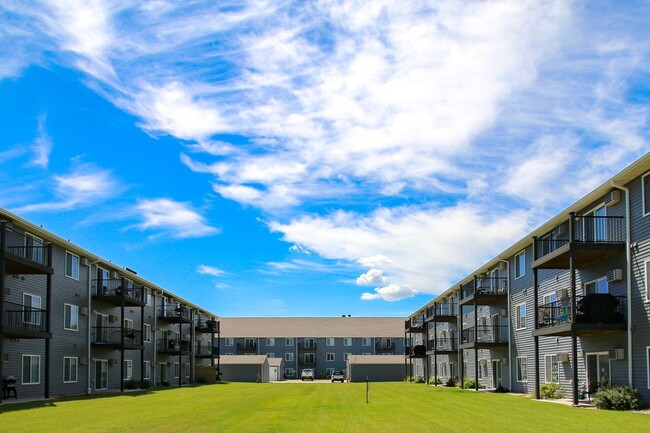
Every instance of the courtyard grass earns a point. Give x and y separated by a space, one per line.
293 407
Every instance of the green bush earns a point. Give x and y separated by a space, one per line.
435 381
469 383
618 398
501 389
552 390
418 379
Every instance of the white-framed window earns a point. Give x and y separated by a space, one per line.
32 313
551 297
647 281
443 369
522 369
70 369
597 286
645 186
288 356
366 341
128 369
70 317
346 356
270 341
188 369
520 316
309 343
347 341
520 264
270 355
71 265
329 341
147 333
230 341
329 357
289 372
31 370
33 248
552 365
146 374
309 358
128 323
289 341
465 368
177 370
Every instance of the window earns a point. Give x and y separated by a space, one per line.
128 324
598 286
230 341
443 369
552 297
309 358
270 355
522 370
270 341
71 265
289 342
520 264
32 304
289 372
365 341
70 369
147 333
188 369
33 248
645 186
465 368
520 316
347 341
177 370
288 356
329 341
552 364
70 317
147 370
329 357
309 343
31 369
128 369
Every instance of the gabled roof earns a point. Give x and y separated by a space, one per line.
316 327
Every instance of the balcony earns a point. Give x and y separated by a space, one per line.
25 254
247 348
207 326
484 337
116 290
20 321
174 346
595 313
484 291
591 238
306 363
419 351
442 312
385 348
306 347
415 324
442 345
175 313
116 337
206 351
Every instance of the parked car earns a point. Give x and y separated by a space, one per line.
307 374
338 376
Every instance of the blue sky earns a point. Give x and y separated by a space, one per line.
280 158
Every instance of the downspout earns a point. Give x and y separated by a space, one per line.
509 325
90 312
628 257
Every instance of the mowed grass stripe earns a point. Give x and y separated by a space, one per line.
293 407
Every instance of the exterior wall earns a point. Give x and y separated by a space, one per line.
376 373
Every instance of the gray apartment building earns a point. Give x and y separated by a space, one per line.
320 343
72 322
568 303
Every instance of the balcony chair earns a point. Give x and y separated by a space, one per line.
9 387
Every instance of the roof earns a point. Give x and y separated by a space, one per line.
315 327
625 176
276 361
376 359
242 359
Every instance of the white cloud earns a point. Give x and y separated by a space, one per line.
374 261
393 292
374 277
209 270
299 249
42 146
176 219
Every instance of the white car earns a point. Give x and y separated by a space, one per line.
338 376
307 374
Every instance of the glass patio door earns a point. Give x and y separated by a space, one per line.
497 373
598 369
101 374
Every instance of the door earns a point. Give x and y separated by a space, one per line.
163 373
273 373
101 328
497 374
598 369
101 374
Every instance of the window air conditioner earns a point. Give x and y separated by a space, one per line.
83 311
112 318
617 354
562 293
615 275
612 197
84 261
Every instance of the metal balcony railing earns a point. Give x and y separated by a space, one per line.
443 344
385 347
207 325
205 350
447 309
117 287
115 335
485 334
485 286
586 229
414 324
21 317
174 311
593 308
26 247
174 345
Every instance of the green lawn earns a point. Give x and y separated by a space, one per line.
312 407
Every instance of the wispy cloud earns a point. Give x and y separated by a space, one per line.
299 249
42 146
175 219
209 270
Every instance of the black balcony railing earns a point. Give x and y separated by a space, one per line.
448 309
306 346
21 317
26 247
247 347
586 229
205 350
173 311
485 334
115 335
207 325
593 308
414 324
117 287
443 344
485 286
385 346
174 345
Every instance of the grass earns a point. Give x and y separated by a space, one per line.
239 407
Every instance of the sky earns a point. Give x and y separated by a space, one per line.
313 158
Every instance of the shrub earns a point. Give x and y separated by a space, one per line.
618 398
551 390
435 381
501 389
418 379
469 383
451 382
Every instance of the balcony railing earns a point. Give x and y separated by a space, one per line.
26 247
592 308
448 309
302 346
207 325
485 334
116 335
174 345
414 324
485 286
586 229
23 318
247 347
117 287
385 347
175 312
205 350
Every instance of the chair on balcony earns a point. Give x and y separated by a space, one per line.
9 387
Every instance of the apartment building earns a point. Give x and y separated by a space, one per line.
568 303
72 322
320 343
